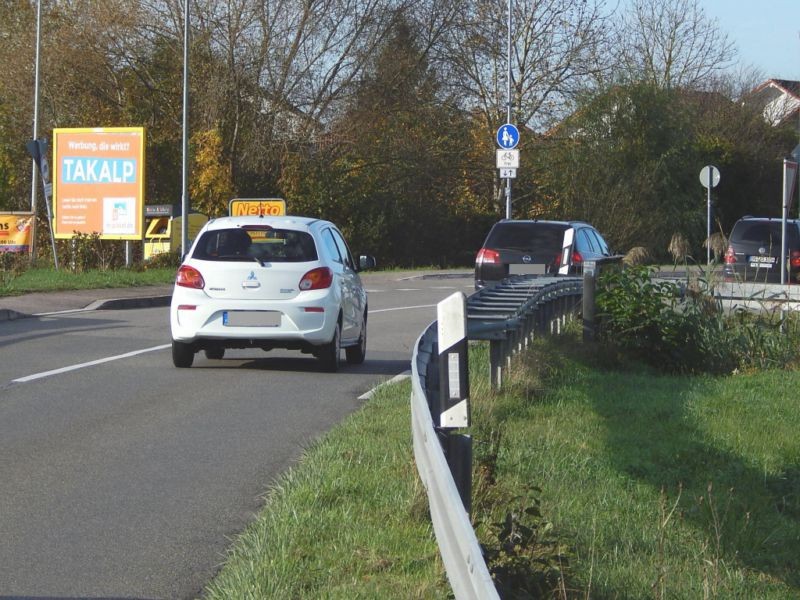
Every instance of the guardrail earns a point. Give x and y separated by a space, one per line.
507 316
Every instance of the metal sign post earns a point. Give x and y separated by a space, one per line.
789 176
709 177
38 150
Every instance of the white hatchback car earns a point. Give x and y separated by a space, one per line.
270 282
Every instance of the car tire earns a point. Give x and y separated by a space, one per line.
355 355
214 353
182 355
329 353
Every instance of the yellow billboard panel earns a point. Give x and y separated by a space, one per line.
271 207
98 182
16 232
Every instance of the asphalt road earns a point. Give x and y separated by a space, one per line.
123 477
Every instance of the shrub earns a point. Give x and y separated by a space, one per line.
687 330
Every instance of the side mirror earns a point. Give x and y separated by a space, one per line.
366 262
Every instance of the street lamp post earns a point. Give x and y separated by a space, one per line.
185 152
35 123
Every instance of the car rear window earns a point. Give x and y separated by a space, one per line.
763 233
263 244
529 237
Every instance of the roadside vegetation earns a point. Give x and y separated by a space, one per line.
589 482
601 470
81 267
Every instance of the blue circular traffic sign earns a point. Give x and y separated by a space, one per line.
507 136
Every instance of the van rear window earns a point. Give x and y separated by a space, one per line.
536 238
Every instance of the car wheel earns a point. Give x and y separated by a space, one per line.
329 353
355 354
182 355
214 353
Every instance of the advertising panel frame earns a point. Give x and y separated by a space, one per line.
99 182
17 230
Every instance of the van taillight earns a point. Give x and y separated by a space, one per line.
794 260
487 256
190 277
316 279
730 256
576 257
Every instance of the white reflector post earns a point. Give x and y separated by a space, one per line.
566 251
451 314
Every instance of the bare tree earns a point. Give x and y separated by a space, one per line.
555 52
671 43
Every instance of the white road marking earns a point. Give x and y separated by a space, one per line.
395 379
380 310
99 361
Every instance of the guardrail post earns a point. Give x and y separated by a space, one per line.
496 363
588 301
453 409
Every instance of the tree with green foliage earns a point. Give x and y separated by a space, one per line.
628 161
390 169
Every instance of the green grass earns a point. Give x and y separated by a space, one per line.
49 280
627 484
660 486
349 521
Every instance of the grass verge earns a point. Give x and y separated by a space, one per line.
589 483
654 486
349 521
50 280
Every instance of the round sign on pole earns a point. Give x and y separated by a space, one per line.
507 136
709 176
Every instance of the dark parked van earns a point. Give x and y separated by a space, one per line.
754 250
518 247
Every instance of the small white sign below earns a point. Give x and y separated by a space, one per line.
508 173
508 159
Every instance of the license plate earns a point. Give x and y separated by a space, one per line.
762 262
251 318
522 269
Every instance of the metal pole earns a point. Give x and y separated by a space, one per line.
35 125
508 106
708 217
185 163
784 213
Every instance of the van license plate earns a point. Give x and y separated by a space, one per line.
251 318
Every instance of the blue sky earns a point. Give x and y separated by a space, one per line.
766 33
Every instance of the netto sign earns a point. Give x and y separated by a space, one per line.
272 207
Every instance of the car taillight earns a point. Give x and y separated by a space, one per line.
316 279
487 256
794 259
576 257
730 256
190 277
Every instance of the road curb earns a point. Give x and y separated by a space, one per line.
7 314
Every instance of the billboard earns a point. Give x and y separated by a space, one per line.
98 182
16 232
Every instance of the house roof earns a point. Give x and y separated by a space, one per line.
788 86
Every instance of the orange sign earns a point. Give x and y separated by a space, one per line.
98 182
271 207
16 231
